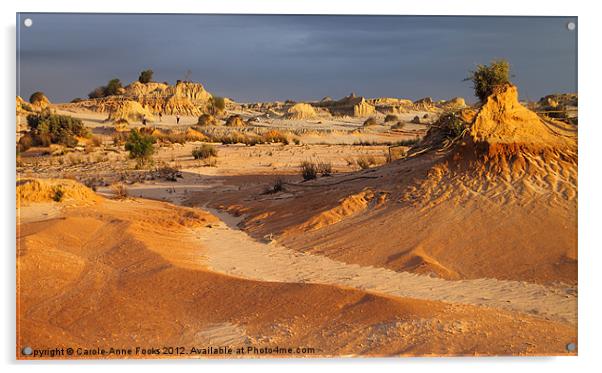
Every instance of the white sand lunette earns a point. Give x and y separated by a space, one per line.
231 251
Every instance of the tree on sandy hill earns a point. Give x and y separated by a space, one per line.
113 87
146 76
37 97
485 78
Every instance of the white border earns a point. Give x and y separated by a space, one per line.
590 136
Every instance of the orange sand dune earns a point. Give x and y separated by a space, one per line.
499 202
131 273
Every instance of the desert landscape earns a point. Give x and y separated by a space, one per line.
162 218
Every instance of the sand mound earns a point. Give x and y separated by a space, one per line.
301 111
508 152
130 111
503 120
347 206
194 135
424 104
454 103
57 190
40 101
128 273
185 98
489 202
351 105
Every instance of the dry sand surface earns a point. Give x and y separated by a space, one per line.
140 273
465 246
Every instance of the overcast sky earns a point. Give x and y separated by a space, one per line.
262 58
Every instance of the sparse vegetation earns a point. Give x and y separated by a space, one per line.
46 128
146 76
57 193
37 97
452 122
485 78
207 120
309 170
365 162
119 191
277 187
324 168
274 136
140 146
112 88
370 122
391 118
204 151
398 126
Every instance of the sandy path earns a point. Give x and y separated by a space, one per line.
233 252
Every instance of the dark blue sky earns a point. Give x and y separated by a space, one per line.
260 58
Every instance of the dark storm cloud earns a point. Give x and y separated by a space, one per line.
252 58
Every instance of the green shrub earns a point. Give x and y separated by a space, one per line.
140 146
487 77
113 87
309 170
97 92
391 118
58 193
37 96
370 122
398 126
452 122
47 128
204 151
146 76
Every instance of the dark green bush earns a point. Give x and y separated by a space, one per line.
487 77
97 92
391 118
204 151
58 193
146 76
140 146
113 87
370 122
453 123
47 128
309 170
36 96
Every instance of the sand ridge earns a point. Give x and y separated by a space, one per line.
232 252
